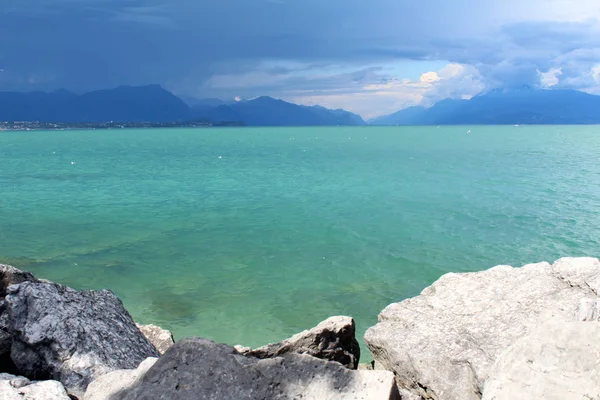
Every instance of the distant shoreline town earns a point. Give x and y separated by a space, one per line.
59 126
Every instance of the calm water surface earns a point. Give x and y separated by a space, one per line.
250 235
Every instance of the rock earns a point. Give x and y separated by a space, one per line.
8 276
332 340
557 361
20 388
367 367
113 382
71 336
15 381
201 369
443 343
12 276
161 338
589 310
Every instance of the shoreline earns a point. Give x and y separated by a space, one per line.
490 320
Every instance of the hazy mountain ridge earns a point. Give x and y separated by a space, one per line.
124 104
267 111
517 106
152 103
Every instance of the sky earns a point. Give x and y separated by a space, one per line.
372 57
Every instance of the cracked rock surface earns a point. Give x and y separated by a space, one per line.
71 336
443 343
558 360
8 276
333 340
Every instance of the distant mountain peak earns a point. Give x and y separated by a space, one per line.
153 103
517 105
149 103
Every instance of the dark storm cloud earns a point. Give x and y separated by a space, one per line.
278 46
95 43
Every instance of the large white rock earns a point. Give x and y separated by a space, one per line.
443 343
559 360
108 385
20 388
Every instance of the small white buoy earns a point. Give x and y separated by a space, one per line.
72 162
220 157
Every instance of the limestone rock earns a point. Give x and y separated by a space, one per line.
71 336
228 375
589 309
442 344
15 381
333 339
8 276
557 361
20 388
113 382
161 338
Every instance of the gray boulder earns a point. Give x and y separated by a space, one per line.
161 338
8 276
557 361
201 369
71 336
107 385
443 343
20 388
333 340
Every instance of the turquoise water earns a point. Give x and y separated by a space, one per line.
250 235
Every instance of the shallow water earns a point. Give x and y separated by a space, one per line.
250 235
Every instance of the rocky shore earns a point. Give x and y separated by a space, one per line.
505 333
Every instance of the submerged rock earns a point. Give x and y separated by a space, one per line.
557 361
71 336
443 343
107 385
20 388
333 340
161 338
201 369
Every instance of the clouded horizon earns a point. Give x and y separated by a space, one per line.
370 57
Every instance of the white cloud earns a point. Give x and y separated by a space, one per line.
429 77
596 73
372 100
550 78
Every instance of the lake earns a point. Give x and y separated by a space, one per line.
249 235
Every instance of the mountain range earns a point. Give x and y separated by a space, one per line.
154 104
513 106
